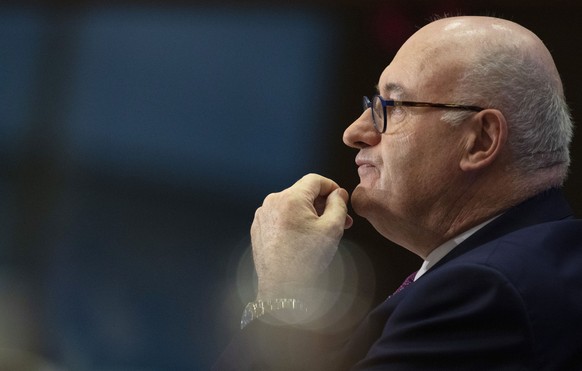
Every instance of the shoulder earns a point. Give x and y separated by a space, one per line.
533 253
534 262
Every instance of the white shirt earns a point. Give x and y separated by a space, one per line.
441 251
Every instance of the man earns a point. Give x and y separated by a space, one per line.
461 156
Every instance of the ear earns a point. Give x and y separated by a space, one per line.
486 137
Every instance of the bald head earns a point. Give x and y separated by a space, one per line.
498 64
467 38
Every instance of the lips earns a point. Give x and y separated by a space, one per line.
366 168
363 161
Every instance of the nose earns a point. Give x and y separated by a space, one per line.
361 133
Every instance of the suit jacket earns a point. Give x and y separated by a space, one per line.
507 298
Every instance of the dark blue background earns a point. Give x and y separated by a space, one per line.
136 142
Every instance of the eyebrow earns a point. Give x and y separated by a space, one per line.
392 88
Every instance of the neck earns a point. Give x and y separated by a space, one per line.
465 206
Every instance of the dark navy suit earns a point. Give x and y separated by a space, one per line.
507 298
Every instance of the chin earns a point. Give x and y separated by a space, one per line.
361 201
371 203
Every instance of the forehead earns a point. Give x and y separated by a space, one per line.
421 69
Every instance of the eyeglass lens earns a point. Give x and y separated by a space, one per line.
377 111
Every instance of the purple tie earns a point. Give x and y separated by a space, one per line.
407 281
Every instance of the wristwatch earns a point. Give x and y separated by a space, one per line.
259 308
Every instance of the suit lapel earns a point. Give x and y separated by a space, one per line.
547 206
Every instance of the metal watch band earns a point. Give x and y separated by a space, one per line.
259 308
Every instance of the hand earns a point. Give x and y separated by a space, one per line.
295 235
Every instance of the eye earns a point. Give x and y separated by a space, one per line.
396 114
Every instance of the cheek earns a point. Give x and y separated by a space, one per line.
418 164
399 159
438 166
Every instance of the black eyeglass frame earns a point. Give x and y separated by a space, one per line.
367 103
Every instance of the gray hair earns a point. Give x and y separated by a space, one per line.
531 99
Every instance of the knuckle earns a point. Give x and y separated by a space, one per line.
258 212
270 199
310 177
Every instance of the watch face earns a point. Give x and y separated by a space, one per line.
256 309
248 315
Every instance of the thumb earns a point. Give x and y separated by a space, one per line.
336 209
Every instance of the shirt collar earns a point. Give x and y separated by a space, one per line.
440 252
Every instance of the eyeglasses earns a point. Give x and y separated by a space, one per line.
380 113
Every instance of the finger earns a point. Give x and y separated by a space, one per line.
314 185
349 221
319 204
336 209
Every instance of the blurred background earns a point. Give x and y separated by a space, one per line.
137 139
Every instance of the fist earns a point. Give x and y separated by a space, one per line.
295 235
